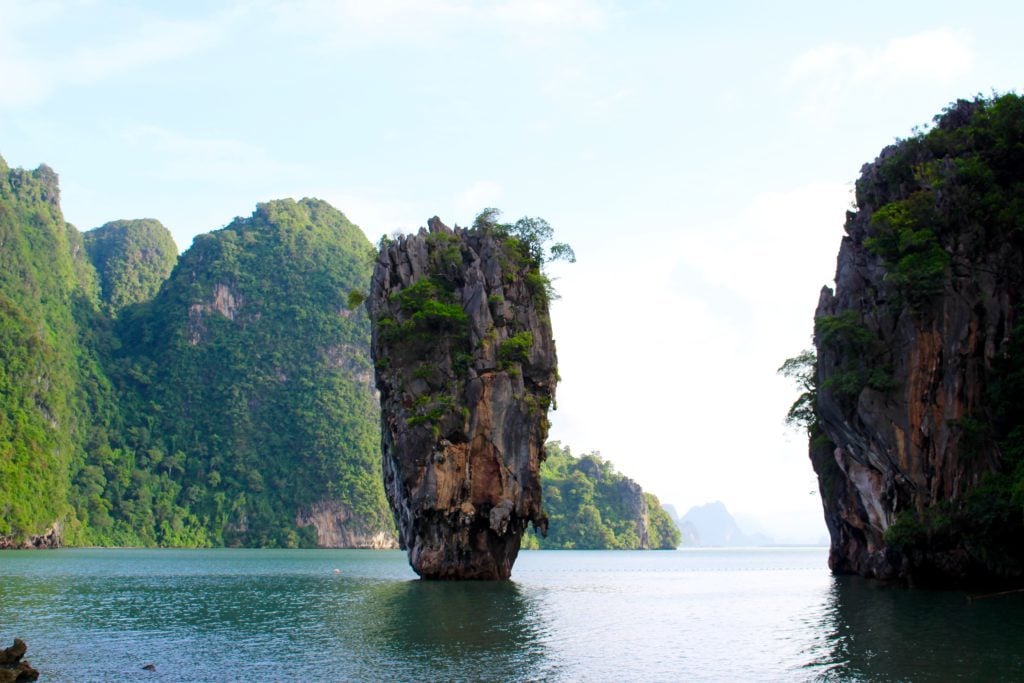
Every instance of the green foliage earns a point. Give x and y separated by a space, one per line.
132 258
803 369
213 408
355 299
661 530
253 363
42 403
429 306
591 506
527 243
906 239
863 356
982 531
961 178
515 349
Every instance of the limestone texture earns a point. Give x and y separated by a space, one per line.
466 368
909 347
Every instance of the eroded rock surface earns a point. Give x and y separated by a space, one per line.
12 667
466 369
909 350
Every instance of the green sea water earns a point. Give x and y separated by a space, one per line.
346 615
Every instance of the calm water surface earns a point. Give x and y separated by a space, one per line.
286 615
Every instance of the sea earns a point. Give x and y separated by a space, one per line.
362 615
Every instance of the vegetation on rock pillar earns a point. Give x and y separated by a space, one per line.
918 357
465 363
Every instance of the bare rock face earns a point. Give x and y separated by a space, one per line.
336 527
49 539
466 369
909 350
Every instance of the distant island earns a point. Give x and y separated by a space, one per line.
223 397
712 526
591 506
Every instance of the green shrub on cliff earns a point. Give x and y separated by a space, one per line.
528 242
905 237
864 357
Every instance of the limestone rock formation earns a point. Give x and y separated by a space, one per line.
913 446
12 668
49 539
466 368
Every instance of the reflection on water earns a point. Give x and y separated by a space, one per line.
876 632
469 631
213 615
218 615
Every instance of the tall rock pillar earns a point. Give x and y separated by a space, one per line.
466 368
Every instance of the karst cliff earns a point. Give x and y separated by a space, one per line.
466 368
221 398
917 429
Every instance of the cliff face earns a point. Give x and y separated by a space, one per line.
466 368
913 447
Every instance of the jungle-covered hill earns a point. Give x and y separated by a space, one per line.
219 397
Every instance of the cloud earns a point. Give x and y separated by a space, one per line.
29 76
828 73
356 23
155 42
941 55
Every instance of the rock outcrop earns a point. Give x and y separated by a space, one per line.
466 368
12 668
336 527
49 539
913 446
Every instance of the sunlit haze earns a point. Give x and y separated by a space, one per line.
699 159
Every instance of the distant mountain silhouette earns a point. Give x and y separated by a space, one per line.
711 526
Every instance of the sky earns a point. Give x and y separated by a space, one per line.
699 158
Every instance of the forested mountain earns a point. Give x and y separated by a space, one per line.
132 259
44 281
251 380
228 403
591 506
225 402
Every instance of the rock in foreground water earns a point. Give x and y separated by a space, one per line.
12 668
466 368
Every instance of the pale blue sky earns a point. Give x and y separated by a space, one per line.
698 157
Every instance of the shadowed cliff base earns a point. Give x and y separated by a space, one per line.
466 368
